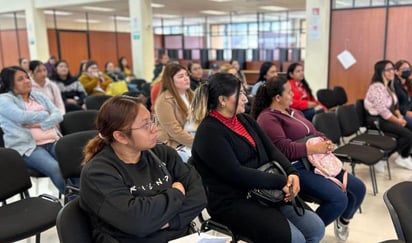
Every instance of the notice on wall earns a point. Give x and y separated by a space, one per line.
346 59
314 25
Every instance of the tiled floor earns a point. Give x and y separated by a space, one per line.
373 225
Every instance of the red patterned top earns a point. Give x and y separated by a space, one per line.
235 125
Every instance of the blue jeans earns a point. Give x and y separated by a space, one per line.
311 112
306 228
335 202
43 160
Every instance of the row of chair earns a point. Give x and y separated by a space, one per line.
363 148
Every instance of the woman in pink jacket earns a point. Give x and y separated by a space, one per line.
382 106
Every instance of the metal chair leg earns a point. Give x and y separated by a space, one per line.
389 168
373 179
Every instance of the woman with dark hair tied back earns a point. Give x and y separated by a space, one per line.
134 189
29 119
267 71
287 128
303 98
41 83
228 148
381 103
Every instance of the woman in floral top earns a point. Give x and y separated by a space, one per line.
382 106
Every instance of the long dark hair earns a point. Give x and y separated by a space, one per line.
56 77
378 71
7 78
121 64
305 84
264 68
274 86
207 95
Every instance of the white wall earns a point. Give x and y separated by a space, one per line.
317 49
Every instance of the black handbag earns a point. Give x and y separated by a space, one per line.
274 197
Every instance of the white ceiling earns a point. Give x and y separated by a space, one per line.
192 8
235 11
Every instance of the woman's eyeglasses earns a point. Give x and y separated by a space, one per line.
148 126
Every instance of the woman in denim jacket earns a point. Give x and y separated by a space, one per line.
29 121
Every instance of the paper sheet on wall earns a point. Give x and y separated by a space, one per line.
346 59
202 238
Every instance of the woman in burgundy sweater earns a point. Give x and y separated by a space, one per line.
284 126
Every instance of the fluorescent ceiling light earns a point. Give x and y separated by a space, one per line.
272 8
61 13
213 12
220 1
19 16
121 18
165 16
343 3
91 21
157 5
99 9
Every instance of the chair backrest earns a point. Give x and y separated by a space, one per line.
348 120
328 123
139 83
327 98
360 110
77 121
14 177
94 102
69 152
398 199
1 138
73 224
340 95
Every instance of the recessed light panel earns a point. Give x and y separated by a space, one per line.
99 9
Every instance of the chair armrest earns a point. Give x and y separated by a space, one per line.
50 198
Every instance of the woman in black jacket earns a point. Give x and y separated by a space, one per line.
227 149
134 189
72 91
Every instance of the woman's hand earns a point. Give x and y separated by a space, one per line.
320 148
293 181
179 186
71 101
401 122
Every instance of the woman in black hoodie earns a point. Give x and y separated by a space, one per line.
72 90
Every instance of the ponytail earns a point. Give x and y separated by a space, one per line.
260 102
199 109
94 146
265 94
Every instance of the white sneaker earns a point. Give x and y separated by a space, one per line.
341 230
404 162
380 166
